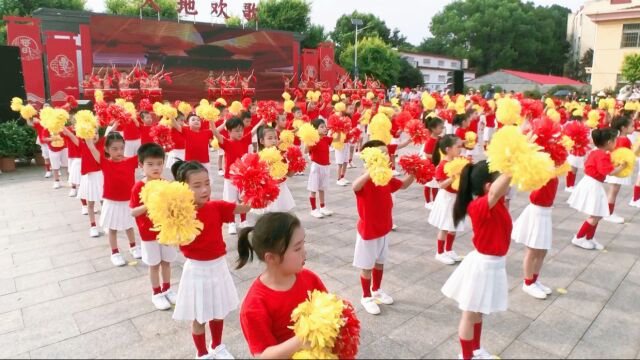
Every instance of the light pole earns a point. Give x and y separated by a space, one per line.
356 23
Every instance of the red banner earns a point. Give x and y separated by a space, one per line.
85 47
296 63
25 34
309 64
327 66
62 66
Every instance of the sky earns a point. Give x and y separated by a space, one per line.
412 17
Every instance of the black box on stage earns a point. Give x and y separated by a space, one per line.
12 81
458 81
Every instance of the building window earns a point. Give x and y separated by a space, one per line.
426 61
440 62
630 35
441 78
454 64
427 77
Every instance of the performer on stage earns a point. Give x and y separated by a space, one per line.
245 86
213 92
124 83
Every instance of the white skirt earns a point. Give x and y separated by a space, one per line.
74 171
576 161
342 156
318 177
173 156
91 186
534 227
206 291
441 216
116 215
55 158
131 147
589 197
284 202
487 133
479 284
618 180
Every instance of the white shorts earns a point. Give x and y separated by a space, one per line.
75 175
230 192
368 253
448 128
56 159
153 252
284 202
342 156
116 215
220 152
589 197
45 150
131 147
91 186
318 177
487 134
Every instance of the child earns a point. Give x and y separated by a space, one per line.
119 178
74 164
265 315
624 126
320 170
534 229
355 116
479 284
145 127
576 162
157 257
436 128
589 196
461 123
35 124
56 154
207 293
131 134
196 141
441 215
375 207
179 144
267 138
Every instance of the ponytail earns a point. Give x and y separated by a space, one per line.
473 179
441 147
245 250
181 169
271 234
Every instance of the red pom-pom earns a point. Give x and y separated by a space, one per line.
579 133
145 105
167 78
161 135
548 136
447 115
251 177
101 109
246 103
354 135
422 169
402 119
419 134
72 102
339 124
119 114
348 340
533 108
295 160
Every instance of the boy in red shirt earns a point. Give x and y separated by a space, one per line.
320 170
375 207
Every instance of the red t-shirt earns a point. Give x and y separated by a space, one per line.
319 152
179 142
46 134
545 195
119 177
313 114
234 150
88 164
430 145
265 315
375 207
39 130
209 245
143 221
598 165
461 132
197 144
442 176
355 119
623 142
73 149
130 131
491 227
490 120
145 134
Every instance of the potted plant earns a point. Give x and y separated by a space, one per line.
15 141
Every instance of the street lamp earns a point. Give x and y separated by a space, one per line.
356 23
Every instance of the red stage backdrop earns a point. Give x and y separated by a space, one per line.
309 64
61 66
326 64
25 34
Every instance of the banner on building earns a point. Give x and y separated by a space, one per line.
62 67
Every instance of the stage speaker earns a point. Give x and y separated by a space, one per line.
12 81
458 81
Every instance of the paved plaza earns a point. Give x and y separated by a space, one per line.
60 296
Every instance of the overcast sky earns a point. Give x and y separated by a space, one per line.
412 17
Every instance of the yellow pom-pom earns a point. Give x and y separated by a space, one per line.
169 112
297 123
370 95
120 101
460 105
593 119
562 170
428 102
235 108
387 111
210 113
286 139
548 102
340 107
567 142
53 119
98 95
171 208
158 107
270 155
131 109
221 101
395 101
625 157
343 97
380 128
508 111
16 104
203 102
308 135
381 176
184 108
314 354
278 170
28 112
470 140
453 169
377 164
288 106
317 321
86 124
316 96
309 95
366 117
286 96
553 114
335 98
215 145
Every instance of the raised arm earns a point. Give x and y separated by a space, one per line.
93 150
359 183
498 189
254 130
71 136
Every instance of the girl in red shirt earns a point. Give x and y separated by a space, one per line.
119 177
267 138
197 140
207 293
589 196
320 170
265 315
441 215
436 128
624 126
74 162
57 148
479 284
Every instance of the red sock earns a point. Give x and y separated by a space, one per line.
243 217
440 246
114 251
434 192
467 348
200 341
73 186
571 179
427 194
366 287
449 243
93 223
47 167
535 278
529 281
477 332
156 290
312 200
321 205
636 193
376 276
83 202
165 286
216 332
132 245
584 230
592 232
611 207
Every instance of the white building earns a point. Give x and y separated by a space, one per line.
436 69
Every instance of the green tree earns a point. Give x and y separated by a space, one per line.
399 41
313 36
631 68
576 69
375 57
409 75
168 9
287 15
343 34
233 21
25 8
435 46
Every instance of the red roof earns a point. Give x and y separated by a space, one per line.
544 79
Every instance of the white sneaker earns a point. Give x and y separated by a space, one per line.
160 302
84 211
428 206
47 174
596 245
317 214
326 212
243 224
341 182
445 259
170 295
351 166
396 173
635 204
204 357
233 229
534 291
135 252
613 218
94 231
568 189
73 192
394 227
482 354
545 289
382 297
117 259
370 306
583 243
221 352
455 257
56 185
221 172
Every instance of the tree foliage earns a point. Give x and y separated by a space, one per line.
375 57
343 34
399 41
287 15
233 21
409 75
168 9
495 34
313 36
631 68
25 8
576 69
